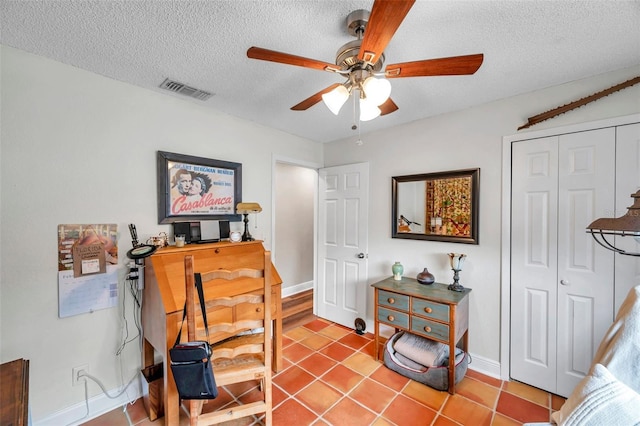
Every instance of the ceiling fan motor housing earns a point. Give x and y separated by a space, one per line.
357 21
347 55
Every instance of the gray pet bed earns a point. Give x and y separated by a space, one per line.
435 377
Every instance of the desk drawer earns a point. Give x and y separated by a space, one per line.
393 300
430 309
430 329
395 318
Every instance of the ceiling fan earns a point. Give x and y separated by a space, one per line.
361 62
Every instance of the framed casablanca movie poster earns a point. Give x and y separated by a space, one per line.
193 188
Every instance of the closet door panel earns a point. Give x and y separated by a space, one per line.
579 311
534 262
537 344
578 249
627 268
586 183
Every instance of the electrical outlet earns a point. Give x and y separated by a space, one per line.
75 374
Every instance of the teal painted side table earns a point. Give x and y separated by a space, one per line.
431 311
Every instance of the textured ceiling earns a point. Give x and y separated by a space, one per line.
527 45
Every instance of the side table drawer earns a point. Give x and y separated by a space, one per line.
395 318
393 300
430 309
430 329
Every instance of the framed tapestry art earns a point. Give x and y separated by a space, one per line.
194 188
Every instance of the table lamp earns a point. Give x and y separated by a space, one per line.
456 260
246 209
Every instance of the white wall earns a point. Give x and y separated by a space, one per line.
295 195
465 139
80 148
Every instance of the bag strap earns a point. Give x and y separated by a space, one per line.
198 279
203 308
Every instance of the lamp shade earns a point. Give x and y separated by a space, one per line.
376 90
368 111
336 98
627 225
456 260
246 208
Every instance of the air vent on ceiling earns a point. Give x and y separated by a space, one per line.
183 89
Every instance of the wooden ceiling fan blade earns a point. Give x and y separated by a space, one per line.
388 107
385 18
286 58
455 65
313 99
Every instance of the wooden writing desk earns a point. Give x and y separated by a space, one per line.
164 296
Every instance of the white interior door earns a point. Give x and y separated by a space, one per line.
534 262
342 243
561 282
585 272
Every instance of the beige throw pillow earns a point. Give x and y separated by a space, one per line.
598 400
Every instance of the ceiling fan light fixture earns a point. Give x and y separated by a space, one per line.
376 90
368 110
336 98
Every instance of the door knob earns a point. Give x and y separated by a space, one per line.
361 255
564 282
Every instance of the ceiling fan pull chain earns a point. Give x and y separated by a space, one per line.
359 141
355 126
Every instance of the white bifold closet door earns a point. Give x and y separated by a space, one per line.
627 183
561 281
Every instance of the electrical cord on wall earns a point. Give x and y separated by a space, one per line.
136 292
86 404
104 390
132 282
84 375
137 298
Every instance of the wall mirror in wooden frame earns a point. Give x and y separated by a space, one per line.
440 206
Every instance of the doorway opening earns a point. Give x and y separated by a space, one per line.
294 224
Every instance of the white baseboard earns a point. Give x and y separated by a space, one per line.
101 404
98 405
485 366
295 289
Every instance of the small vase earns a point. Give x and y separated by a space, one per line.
397 270
426 277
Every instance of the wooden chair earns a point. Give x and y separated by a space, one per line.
240 334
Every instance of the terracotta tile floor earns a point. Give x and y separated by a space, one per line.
331 378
